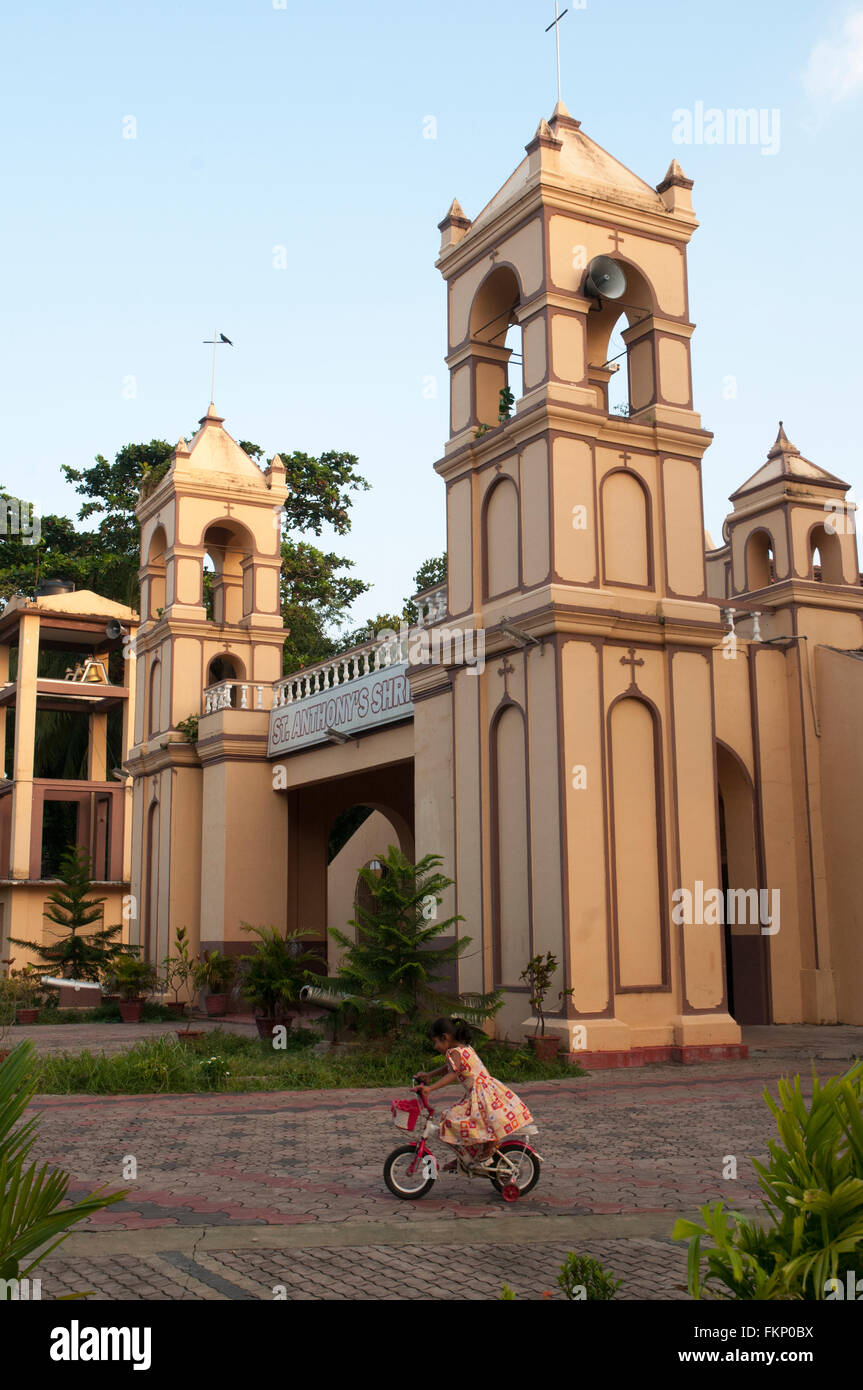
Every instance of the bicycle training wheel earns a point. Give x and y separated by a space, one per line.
400 1182
528 1165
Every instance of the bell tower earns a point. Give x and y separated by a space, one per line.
583 755
211 621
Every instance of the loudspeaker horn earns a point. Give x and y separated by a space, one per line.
605 279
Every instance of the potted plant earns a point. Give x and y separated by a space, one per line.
179 967
537 974
27 989
217 972
274 974
133 979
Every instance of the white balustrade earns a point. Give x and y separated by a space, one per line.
326 675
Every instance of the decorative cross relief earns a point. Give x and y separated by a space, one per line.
626 456
506 670
616 238
632 661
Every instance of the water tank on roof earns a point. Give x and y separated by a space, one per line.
49 587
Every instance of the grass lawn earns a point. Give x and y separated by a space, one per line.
225 1062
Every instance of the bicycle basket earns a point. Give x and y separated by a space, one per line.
406 1114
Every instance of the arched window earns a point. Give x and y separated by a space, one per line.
495 337
825 556
618 364
634 384
760 561
230 551
156 574
501 538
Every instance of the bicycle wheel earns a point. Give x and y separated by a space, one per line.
400 1182
528 1167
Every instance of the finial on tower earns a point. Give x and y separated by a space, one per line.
782 445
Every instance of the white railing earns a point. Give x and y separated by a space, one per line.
340 670
237 695
348 666
432 605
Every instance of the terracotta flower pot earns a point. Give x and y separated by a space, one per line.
217 1004
131 1010
26 1015
545 1048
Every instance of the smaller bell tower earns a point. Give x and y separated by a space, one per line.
210 604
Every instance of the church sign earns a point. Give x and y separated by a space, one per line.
376 698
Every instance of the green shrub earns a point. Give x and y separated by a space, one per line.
813 1186
584 1272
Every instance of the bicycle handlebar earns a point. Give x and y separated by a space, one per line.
422 1097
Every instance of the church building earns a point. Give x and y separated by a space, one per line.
653 771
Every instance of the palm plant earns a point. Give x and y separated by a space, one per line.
813 1184
275 971
31 1200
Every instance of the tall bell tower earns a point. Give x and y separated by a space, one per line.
582 758
216 513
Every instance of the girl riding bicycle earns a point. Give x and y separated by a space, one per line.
490 1110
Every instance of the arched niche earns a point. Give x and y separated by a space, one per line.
825 556
154 699
231 549
637 819
511 901
760 560
156 574
627 542
501 538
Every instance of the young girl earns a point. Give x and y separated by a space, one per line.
490 1110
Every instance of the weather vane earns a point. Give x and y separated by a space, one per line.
218 340
555 25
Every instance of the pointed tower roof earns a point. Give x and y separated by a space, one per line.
784 460
581 163
214 451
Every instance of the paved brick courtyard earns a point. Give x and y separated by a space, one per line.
269 1195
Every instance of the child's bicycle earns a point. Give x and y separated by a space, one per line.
411 1170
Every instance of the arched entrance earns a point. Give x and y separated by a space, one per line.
747 963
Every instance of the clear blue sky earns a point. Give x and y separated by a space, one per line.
303 127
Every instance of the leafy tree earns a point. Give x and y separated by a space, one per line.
430 573
77 954
393 969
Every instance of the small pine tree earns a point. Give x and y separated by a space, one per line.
391 969
77 954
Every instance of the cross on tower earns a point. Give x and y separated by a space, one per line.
632 661
626 456
616 238
555 25
218 340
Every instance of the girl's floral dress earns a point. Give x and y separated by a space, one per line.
490 1110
